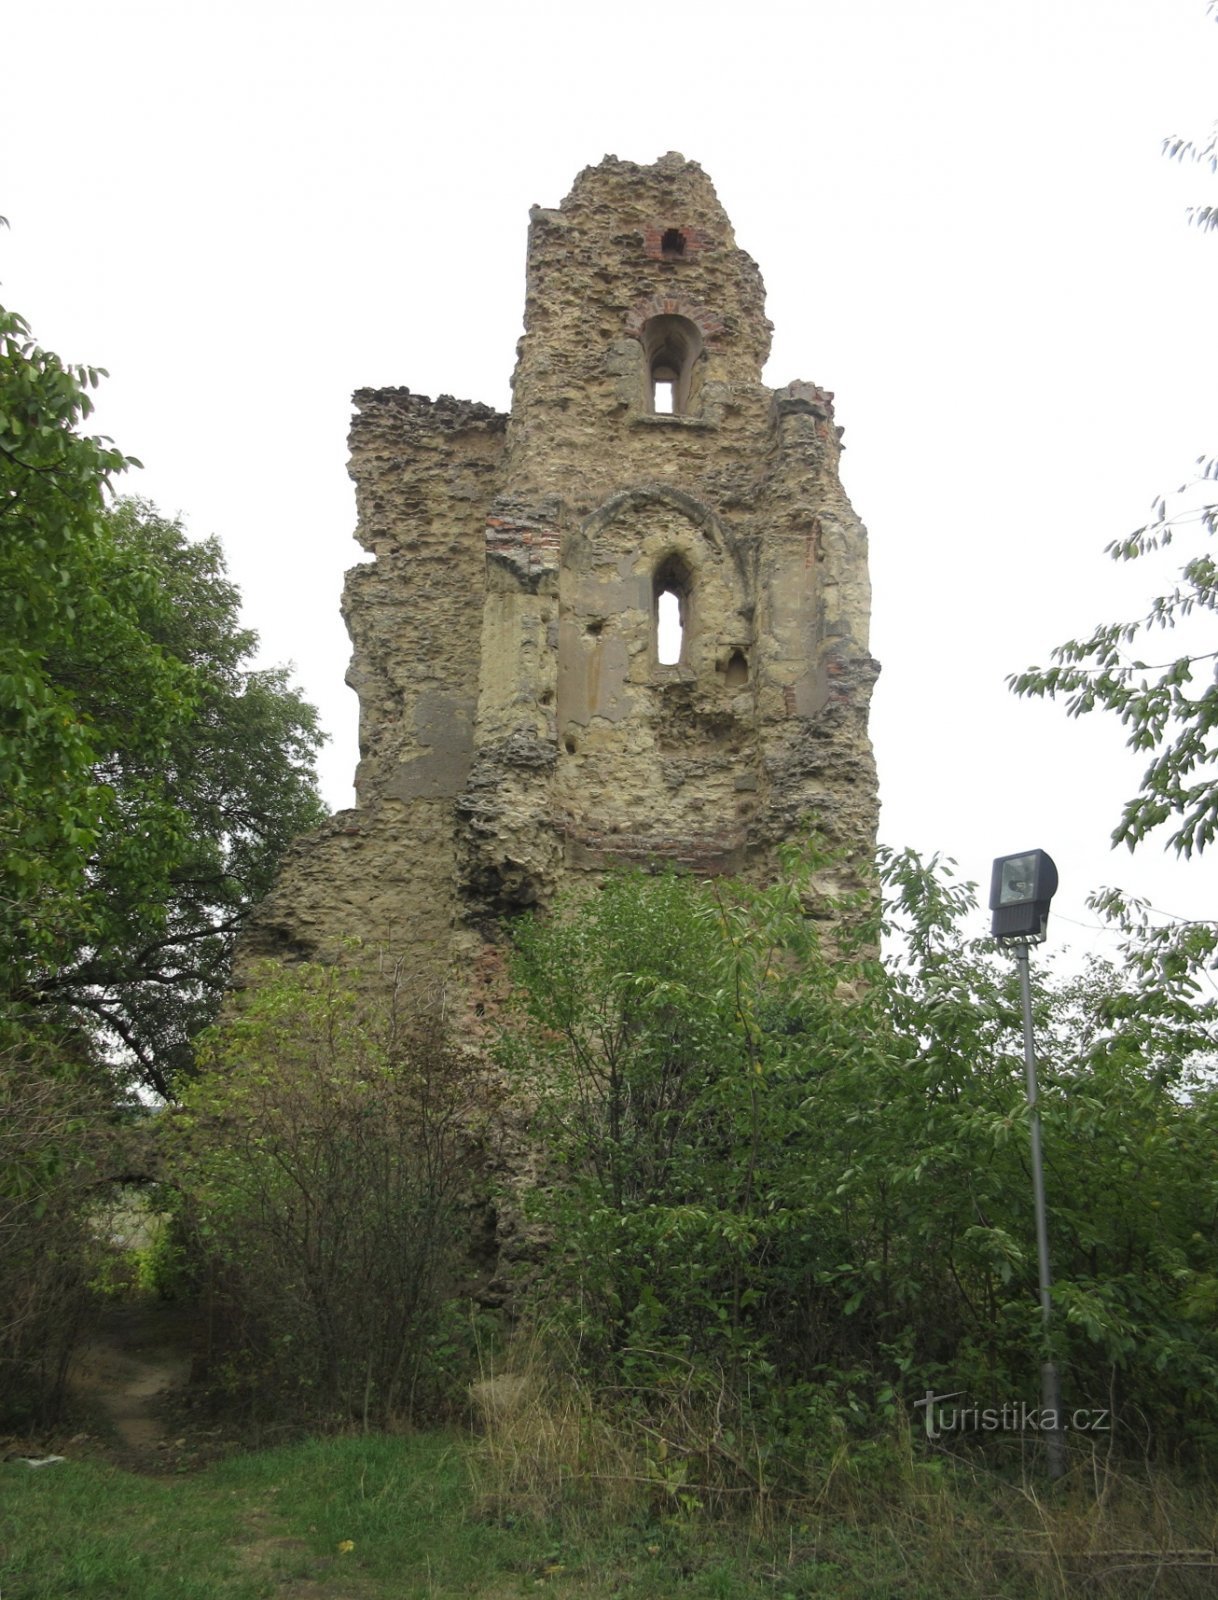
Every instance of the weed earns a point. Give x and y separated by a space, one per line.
436 1516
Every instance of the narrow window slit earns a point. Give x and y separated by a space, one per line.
669 628
671 590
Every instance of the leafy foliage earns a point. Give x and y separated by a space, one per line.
58 606
1170 710
779 1166
53 1160
1167 714
1204 152
196 826
150 779
667 1037
149 782
323 1159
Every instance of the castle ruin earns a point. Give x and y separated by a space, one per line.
526 720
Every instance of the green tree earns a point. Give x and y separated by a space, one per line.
1170 715
787 1179
230 785
150 778
1170 707
55 604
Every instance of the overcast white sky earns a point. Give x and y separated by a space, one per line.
966 228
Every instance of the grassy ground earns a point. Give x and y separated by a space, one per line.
356 1517
553 1497
411 1518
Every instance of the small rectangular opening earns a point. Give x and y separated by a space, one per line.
663 400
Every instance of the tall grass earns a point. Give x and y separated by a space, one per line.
880 1515
553 1499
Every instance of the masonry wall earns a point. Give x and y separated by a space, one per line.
518 729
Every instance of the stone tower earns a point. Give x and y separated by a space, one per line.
522 724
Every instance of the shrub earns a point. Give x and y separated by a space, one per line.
324 1157
52 1127
795 1182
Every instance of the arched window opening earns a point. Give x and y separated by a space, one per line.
671 348
669 629
671 618
673 242
737 674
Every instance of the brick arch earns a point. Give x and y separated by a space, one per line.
707 322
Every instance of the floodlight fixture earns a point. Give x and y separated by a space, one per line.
1021 888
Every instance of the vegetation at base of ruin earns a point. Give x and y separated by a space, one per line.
53 1125
150 778
150 781
327 1199
790 1188
784 1188
787 1194
436 1517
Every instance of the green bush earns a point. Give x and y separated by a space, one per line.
52 1141
324 1157
786 1174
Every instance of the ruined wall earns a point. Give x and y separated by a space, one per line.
518 727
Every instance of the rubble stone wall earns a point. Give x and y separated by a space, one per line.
518 729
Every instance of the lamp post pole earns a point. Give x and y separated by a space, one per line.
1021 888
1050 1389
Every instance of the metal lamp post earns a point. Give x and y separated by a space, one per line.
1021 888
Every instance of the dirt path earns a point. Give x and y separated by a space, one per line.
127 1374
137 1354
